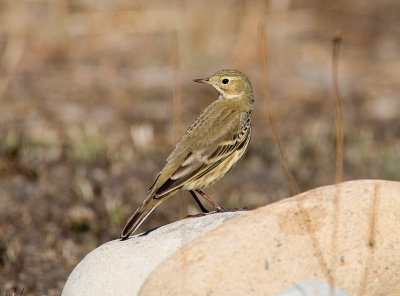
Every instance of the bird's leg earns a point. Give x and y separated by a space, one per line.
202 208
207 198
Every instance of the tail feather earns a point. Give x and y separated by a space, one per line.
149 204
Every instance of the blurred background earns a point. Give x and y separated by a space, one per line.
95 93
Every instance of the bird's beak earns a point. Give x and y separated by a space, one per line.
202 80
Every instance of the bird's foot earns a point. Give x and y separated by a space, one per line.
197 215
221 210
240 209
217 210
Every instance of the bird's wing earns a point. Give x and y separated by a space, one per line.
201 161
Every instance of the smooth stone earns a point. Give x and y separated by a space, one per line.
346 234
313 289
120 267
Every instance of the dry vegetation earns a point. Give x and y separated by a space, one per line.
87 111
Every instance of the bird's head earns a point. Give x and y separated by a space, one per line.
231 84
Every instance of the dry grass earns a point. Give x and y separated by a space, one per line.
94 93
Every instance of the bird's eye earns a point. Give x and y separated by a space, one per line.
225 80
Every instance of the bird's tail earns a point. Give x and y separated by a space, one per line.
149 204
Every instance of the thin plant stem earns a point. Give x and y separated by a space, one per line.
270 111
337 39
177 104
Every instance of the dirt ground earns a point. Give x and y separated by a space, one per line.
87 112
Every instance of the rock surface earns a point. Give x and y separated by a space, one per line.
347 234
313 289
120 267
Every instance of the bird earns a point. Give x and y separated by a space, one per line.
209 148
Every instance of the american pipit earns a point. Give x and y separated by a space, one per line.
209 148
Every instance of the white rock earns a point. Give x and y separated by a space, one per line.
121 267
347 234
313 289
